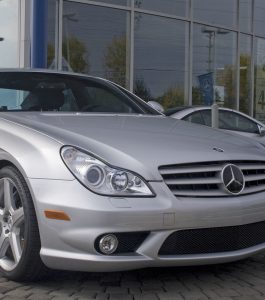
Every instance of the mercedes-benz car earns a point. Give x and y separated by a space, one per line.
229 119
93 179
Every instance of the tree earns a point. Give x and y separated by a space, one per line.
115 60
50 54
78 54
227 78
141 90
174 96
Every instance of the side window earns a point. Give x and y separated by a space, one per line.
70 103
233 121
207 117
105 101
195 118
11 99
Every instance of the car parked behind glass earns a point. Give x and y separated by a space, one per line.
230 120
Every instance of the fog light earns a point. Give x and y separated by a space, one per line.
108 244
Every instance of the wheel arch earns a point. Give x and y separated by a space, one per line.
6 159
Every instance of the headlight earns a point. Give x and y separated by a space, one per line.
101 178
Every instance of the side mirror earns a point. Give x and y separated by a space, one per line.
157 106
262 131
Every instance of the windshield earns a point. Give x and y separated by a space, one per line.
35 91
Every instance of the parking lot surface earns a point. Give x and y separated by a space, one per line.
239 281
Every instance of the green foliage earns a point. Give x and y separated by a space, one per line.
77 51
50 54
78 54
197 98
115 60
141 90
173 97
228 80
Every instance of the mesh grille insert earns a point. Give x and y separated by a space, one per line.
214 240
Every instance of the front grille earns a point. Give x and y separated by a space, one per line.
204 179
128 241
214 240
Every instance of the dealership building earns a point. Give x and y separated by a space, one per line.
171 51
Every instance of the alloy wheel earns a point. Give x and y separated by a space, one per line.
12 227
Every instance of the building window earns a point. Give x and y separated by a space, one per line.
259 97
259 17
96 41
160 60
52 62
245 74
176 7
9 35
214 66
216 12
116 2
245 15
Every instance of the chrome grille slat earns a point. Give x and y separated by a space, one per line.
256 189
254 177
251 167
216 193
194 181
204 179
182 170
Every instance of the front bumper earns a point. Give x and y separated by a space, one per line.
70 245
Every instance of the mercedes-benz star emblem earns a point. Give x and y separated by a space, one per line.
233 179
218 149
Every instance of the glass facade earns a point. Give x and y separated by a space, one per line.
9 33
177 52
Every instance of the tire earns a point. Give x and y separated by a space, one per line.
19 234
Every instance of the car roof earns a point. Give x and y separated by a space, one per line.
183 111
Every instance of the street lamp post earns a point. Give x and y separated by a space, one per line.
212 33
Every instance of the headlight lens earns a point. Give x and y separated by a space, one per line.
101 178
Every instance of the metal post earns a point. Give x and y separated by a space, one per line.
215 115
39 34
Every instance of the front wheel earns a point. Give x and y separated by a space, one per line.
19 234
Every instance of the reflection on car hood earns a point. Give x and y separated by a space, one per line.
139 143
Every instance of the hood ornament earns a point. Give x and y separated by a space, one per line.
218 149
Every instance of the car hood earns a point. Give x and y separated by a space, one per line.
140 143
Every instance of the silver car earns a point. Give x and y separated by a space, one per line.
231 120
93 179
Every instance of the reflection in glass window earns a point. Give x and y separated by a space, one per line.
9 34
245 74
160 59
116 2
245 15
52 13
214 53
176 7
195 117
96 41
259 77
216 12
259 17
232 121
